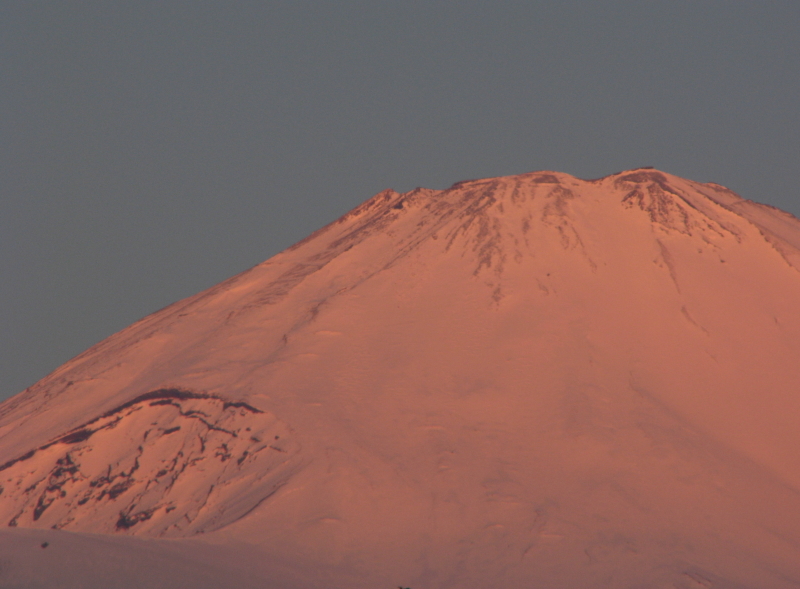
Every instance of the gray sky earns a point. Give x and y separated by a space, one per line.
149 150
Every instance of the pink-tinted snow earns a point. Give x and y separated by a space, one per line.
528 381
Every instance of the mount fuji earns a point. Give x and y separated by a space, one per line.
526 381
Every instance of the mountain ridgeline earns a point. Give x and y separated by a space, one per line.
533 380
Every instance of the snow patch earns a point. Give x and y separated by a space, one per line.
170 462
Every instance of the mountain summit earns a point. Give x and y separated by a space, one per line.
527 381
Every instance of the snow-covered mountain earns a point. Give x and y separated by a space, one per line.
528 381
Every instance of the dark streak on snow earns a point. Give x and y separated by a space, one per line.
19 459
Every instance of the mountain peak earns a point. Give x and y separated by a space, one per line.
515 380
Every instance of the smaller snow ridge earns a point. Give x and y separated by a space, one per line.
170 462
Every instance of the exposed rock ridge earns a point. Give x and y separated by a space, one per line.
170 462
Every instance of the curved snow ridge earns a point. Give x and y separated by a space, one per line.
170 462
778 228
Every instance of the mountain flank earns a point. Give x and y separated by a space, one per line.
533 380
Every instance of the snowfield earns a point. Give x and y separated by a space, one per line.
528 381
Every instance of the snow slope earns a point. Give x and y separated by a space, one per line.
525 381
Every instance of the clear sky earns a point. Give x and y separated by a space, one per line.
150 149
